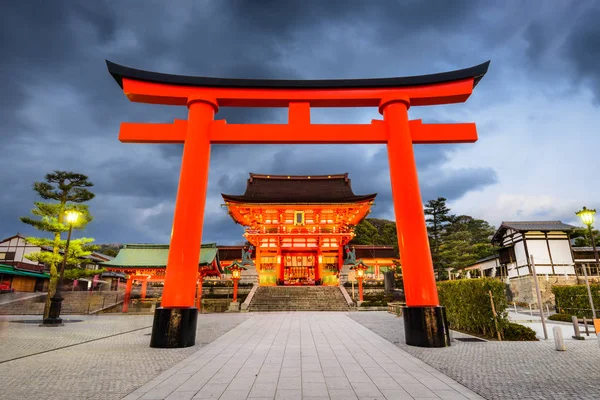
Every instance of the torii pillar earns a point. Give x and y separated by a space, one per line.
175 322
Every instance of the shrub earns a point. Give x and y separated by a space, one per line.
517 332
560 317
573 299
468 306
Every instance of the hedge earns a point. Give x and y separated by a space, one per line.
573 299
468 306
517 332
561 317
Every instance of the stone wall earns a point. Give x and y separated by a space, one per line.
73 303
523 288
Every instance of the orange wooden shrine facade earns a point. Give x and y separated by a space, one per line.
298 225
392 96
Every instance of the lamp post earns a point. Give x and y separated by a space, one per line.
54 319
236 273
587 216
360 275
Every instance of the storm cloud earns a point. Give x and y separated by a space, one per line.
60 109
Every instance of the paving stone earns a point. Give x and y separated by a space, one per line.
114 365
494 370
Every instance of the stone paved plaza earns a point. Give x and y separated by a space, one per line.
281 356
112 360
256 355
506 370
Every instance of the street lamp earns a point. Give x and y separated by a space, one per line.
54 319
587 216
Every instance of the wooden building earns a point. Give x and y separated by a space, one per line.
298 225
547 241
13 251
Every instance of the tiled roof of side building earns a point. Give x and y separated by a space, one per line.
289 189
373 251
155 255
537 225
525 226
230 253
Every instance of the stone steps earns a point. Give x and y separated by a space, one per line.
298 298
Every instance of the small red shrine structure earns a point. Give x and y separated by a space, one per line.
175 322
144 263
298 225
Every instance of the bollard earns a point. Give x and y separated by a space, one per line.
587 331
515 305
547 310
576 328
559 342
530 310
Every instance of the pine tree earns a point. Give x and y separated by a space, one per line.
438 218
65 188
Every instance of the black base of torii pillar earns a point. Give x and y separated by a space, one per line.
174 327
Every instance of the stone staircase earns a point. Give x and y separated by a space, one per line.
298 298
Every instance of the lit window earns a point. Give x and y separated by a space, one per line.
298 217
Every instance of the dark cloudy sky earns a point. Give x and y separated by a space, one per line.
537 110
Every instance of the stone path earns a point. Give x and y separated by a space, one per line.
301 355
505 370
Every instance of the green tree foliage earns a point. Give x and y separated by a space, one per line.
582 237
455 241
574 300
109 249
437 218
366 233
67 191
375 231
465 241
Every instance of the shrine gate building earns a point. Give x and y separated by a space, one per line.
299 225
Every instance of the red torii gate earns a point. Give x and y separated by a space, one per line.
175 322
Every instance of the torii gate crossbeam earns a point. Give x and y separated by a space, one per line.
175 322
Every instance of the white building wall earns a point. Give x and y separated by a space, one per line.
561 252
21 248
520 254
539 250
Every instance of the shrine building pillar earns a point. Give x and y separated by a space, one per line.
280 264
175 321
319 263
144 287
424 320
199 292
127 293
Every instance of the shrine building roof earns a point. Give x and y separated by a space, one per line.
155 256
294 189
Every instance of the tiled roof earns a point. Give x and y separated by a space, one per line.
583 248
285 189
525 226
537 225
372 251
155 255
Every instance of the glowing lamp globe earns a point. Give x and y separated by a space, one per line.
586 215
360 272
235 274
72 216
